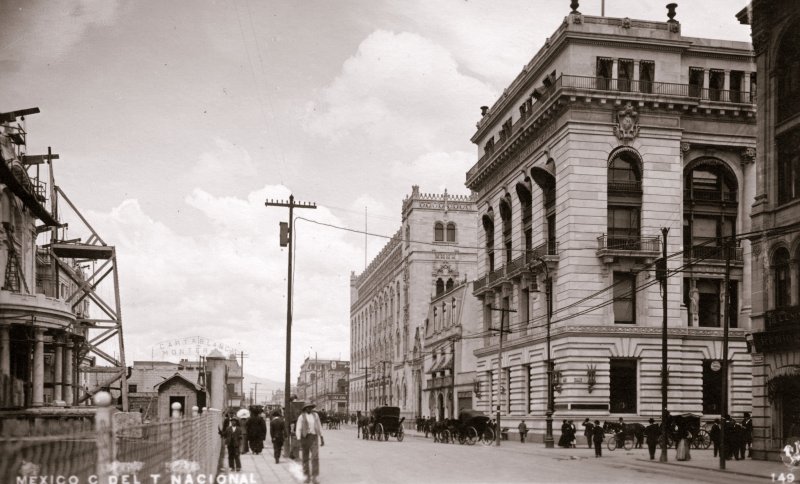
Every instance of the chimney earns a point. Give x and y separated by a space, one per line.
484 110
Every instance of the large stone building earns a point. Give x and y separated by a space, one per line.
451 336
776 227
615 129
324 383
432 252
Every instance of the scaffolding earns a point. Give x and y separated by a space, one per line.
98 316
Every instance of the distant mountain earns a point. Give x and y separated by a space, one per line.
265 387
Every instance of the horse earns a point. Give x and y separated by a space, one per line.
366 426
628 430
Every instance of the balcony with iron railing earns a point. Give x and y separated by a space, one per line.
634 186
710 195
633 89
610 247
440 382
714 253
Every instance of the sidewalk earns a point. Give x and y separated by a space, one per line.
264 470
700 459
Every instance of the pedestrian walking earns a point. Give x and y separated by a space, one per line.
573 431
747 423
523 431
565 439
233 441
652 432
597 436
714 434
588 426
277 432
309 432
256 432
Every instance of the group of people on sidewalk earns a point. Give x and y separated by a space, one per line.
308 429
241 439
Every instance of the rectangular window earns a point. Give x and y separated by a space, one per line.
524 305
624 74
733 321
603 72
624 298
623 227
504 318
789 166
716 84
623 388
696 75
736 86
647 75
709 303
132 388
507 388
526 372
712 386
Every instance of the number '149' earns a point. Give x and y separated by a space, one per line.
782 477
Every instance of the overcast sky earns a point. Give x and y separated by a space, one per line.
175 120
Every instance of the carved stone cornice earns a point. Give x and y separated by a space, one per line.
760 42
748 155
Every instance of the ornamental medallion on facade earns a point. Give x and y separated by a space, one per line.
627 124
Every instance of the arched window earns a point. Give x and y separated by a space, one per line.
788 100
438 232
783 283
488 228
408 235
624 200
451 232
526 203
439 286
505 215
710 208
547 183
450 285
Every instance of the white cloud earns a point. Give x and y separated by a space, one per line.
229 283
399 90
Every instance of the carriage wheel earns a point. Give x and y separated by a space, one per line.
628 444
488 436
385 436
472 436
462 437
611 443
379 431
702 440
444 436
400 435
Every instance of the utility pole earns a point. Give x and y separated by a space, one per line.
661 271
502 330
255 393
727 247
286 236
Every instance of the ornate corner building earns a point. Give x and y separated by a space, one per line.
325 383
776 227
616 129
432 254
56 316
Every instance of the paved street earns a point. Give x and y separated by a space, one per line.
345 459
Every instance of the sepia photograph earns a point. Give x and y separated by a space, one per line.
415 241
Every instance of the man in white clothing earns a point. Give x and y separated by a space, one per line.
309 433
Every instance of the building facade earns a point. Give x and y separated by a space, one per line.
432 253
616 129
325 383
776 228
451 336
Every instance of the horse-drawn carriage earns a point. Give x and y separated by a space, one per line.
471 426
383 422
688 425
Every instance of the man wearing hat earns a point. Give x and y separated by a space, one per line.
309 433
652 432
233 440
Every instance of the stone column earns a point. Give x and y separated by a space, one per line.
636 76
5 351
37 392
67 387
746 84
794 278
706 75
614 69
726 83
58 370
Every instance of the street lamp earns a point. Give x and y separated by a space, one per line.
548 436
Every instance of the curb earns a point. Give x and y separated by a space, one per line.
693 466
